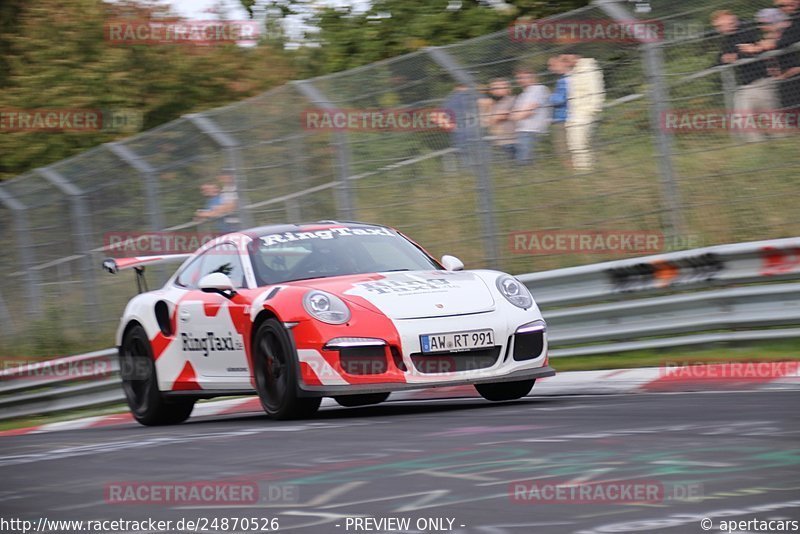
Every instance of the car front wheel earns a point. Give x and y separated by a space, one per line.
505 391
275 368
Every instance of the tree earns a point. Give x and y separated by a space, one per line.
345 37
58 57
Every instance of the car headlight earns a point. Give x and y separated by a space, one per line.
326 307
514 291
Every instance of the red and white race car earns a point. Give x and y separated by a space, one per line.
295 313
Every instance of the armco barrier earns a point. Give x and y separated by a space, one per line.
741 263
741 292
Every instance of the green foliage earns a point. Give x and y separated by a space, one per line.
349 38
55 56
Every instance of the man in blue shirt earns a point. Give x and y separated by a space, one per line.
558 101
213 200
459 105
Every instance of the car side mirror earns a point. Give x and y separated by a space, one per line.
217 283
451 263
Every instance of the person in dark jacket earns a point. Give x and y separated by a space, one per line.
787 36
756 90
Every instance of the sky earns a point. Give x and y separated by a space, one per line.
197 9
294 25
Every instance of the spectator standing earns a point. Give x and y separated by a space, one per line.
229 202
558 100
531 114
586 95
223 206
458 107
497 117
786 36
211 192
755 89
789 77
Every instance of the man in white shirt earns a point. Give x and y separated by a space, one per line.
587 95
532 114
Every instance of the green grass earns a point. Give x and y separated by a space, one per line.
776 351
730 192
37 420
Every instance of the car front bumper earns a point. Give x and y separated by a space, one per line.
356 389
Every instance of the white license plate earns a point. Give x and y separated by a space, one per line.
454 341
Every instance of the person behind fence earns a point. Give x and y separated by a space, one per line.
497 116
585 97
558 100
755 89
531 115
789 77
773 22
785 35
223 210
458 108
211 192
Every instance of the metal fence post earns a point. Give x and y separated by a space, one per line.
654 69
654 63
151 193
479 152
80 223
296 208
5 317
230 145
345 205
151 186
728 87
26 257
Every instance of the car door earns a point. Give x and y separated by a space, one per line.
210 325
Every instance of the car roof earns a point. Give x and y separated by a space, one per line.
307 227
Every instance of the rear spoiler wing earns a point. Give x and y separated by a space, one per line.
138 263
115 265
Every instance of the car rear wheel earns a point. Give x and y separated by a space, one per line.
275 366
140 384
351 401
505 391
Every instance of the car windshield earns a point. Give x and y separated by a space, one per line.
291 256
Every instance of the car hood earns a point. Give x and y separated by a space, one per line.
414 294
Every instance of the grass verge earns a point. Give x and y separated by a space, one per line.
773 351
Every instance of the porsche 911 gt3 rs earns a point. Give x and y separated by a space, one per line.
295 313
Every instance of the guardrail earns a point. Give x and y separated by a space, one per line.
740 292
741 263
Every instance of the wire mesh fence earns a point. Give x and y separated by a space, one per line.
609 161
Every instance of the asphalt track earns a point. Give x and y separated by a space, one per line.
721 455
